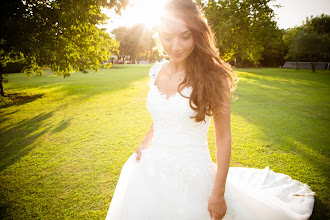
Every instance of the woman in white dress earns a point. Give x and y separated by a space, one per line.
171 175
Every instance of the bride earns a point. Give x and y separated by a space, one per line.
175 178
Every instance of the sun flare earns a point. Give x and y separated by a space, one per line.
138 11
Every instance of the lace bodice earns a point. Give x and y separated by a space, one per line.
171 116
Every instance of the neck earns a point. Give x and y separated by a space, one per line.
177 67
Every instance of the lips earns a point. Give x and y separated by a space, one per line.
177 54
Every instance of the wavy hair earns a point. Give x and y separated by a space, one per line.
206 72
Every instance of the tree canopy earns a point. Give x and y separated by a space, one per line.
61 34
135 41
311 41
242 28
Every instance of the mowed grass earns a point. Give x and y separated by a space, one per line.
63 141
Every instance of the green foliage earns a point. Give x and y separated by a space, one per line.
135 41
275 50
288 35
108 65
61 34
311 41
242 28
308 44
319 24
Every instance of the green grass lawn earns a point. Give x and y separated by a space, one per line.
63 141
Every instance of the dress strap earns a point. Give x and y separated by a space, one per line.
155 69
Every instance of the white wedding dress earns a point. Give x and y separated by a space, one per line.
175 176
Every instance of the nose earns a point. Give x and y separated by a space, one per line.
176 47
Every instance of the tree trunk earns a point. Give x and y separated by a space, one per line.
151 56
133 59
2 89
297 65
313 66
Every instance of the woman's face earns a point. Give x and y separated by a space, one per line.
177 40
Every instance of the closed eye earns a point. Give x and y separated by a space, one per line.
165 37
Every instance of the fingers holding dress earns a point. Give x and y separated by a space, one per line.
217 207
139 152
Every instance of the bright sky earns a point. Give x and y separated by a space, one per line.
292 13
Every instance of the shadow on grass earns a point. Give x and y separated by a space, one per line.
83 86
117 67
62 126
3 116
287 76
287 119
104 81
18 99
15 139
321 210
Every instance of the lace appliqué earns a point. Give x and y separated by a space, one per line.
153 73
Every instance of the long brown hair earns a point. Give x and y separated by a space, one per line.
206 72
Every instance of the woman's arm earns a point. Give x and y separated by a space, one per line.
223 149
145 142
217 204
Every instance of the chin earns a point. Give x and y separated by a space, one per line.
178 59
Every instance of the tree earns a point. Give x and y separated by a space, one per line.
321 26
309 46
311 41
242 28
125 40
134 41
61 34
275 51
288 35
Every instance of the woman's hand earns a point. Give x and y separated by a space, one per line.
217 207
139 151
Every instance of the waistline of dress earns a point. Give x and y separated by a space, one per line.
189 146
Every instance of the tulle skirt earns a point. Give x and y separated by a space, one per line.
176 183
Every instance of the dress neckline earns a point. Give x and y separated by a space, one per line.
164 95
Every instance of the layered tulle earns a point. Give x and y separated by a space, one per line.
165 184
263 194
176 184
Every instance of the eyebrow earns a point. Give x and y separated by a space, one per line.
179 34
